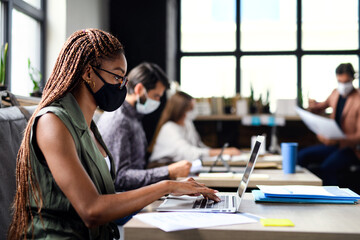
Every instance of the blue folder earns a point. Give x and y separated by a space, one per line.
335 192
260 197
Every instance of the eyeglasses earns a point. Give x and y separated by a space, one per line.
122 80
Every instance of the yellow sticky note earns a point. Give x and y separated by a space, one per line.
276 222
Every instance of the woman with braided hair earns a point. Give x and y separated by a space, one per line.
64 171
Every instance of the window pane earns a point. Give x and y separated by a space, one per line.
330 24
268 25
25 44
208 25
34 3
274 73
208 76
318 75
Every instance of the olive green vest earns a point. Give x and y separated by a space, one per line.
60 220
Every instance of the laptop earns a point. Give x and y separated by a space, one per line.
220 157
229 202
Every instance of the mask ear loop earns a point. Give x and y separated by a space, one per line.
138 98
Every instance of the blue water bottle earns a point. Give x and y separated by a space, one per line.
289 156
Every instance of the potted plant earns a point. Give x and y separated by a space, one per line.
227 105
266 104
3 56
35 76
252 103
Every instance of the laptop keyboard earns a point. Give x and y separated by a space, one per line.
207 203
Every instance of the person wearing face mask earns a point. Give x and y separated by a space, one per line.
124 135
64 171
335 155
176 137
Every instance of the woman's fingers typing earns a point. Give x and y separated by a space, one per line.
212 196
193 188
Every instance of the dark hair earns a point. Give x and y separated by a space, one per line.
175 108
148 74
88 46
346 68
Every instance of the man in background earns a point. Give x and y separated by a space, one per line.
124 135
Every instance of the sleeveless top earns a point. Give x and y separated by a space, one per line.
60 219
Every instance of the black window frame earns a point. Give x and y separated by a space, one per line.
34 13
298 52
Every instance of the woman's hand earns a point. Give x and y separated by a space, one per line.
190 187
326 141
232 151
179 169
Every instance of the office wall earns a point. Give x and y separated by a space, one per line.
65 17
86 14
55 32
171 38
141 26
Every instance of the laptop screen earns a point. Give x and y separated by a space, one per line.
220 157
250 166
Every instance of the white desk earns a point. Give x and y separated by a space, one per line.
263 161
312 222
275 177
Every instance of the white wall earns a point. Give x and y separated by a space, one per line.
55 32
171 38
67 16
82 14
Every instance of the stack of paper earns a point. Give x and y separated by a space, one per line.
325 127
305 194
175 221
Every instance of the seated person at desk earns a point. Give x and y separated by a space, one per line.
335 155
124 135
64 172
176 138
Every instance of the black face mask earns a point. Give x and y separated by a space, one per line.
109 97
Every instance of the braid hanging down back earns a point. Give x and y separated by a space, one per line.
83 47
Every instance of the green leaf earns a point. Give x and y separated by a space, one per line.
35 76
3 62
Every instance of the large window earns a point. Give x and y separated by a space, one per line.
208 26
23 29
205 75
289 48
276 74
